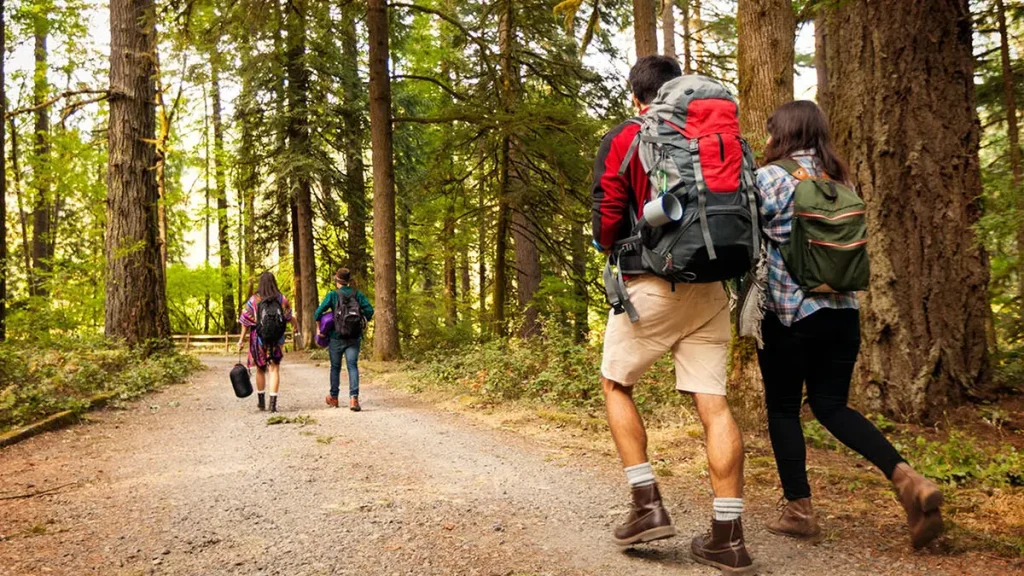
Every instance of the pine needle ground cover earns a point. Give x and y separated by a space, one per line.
37 381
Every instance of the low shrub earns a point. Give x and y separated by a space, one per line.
37 381
552 368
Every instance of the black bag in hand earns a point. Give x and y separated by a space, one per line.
240 381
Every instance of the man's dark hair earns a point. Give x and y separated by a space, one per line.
650 73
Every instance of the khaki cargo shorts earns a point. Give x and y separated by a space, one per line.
692 322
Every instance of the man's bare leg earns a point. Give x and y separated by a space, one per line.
625 423
647 520
724 445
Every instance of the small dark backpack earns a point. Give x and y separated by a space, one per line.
827 251
270 322
348 318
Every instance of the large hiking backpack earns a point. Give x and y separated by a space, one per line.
690 146
827 251
348 318
270 322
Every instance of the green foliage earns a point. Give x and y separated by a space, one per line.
553 369
963 460
38 381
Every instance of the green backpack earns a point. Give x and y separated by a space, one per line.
827 251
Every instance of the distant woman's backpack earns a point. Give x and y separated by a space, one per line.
270 322
240 381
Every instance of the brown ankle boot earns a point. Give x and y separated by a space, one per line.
797 521
921 499
647 520
723 548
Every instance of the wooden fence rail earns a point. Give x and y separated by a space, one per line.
210 341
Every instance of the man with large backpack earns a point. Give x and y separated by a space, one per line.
352 310
675 212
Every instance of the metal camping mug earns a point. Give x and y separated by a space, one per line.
662 210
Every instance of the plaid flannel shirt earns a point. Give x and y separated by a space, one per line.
775 186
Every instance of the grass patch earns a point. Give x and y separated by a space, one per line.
39 380
301 420
324 439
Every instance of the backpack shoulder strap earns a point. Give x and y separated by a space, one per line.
631 151
793 168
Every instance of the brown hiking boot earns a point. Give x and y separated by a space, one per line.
797 521
353 404
921 499
647 520
723 548
260 402
331 401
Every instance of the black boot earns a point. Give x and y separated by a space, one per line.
273 403
260 403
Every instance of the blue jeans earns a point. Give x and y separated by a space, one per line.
349 349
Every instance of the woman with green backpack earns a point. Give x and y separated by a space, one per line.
816 261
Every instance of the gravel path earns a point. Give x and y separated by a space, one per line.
191 481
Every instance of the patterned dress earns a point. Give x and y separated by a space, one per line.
260 352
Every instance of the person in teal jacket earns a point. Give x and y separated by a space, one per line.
347 348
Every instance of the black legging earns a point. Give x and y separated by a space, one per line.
820 350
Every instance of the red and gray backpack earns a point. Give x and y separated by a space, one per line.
690 146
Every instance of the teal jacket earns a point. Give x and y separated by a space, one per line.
331 302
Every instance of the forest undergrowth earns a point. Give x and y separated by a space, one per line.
550 384
39 380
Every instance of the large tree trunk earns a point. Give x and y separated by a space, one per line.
298 305
208 169
3 184
482 252
450 274
1013 141
916 165
509 85
766 35
41 199
645 27
668 27
525 232
301 182
385 342
355 183
229 314
581 324
248 179
136 306
687 40
696 34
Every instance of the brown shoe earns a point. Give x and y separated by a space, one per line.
331 401
647 520
723 548
797 521
921 499
353 404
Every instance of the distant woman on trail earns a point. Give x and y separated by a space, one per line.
814 337
264 319
351 313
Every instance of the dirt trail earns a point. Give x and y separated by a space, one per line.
191 481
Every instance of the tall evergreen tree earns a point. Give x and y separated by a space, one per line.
385 343
136 306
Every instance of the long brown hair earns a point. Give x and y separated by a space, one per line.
267 288
801 125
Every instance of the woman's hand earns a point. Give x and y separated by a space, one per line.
241 343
